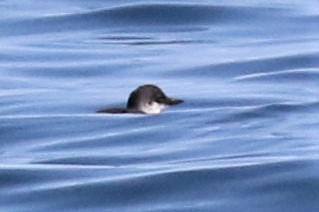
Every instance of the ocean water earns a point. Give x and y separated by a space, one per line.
245 139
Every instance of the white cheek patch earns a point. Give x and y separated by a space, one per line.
152 108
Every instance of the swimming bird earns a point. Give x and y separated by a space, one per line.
147 99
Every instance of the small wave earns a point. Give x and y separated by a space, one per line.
69 187
270 110
238 69
174 13
112 161
164 42
139 15
298 75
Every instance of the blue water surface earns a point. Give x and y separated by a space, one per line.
245 139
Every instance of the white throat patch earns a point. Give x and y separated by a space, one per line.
152 108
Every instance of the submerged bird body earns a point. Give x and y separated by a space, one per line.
148 99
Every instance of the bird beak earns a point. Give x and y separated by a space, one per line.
170 101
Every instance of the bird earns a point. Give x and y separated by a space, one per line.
145 99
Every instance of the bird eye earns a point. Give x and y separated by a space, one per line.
159 99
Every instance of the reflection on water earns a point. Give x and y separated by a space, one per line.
245 137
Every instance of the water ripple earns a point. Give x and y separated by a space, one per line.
245 138
151 15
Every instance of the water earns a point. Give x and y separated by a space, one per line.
244 140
